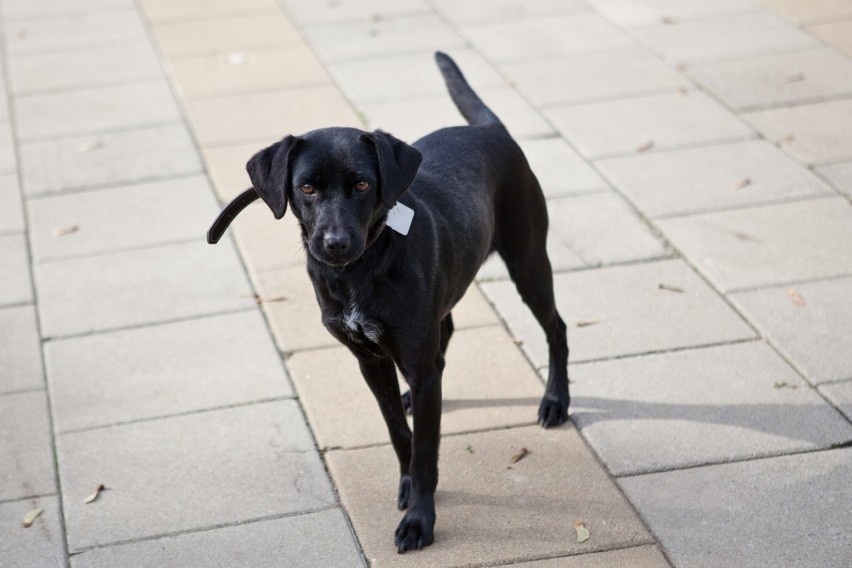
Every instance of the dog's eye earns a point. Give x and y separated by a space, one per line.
307 189
362 186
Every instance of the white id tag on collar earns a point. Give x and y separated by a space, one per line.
399 218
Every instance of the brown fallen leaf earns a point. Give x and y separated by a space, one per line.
745 182
785 385
645 146
20 33
95 494
62 231
745 237
671 288
90 146
270 299
681 67
668 20
794 77
517 341
683 91
787 138
469 449
520 455
587 323
30 517
796 297
582 532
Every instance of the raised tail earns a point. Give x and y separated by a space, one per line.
468 102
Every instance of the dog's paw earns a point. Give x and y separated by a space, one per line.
552 412
406 402
414 531
404 492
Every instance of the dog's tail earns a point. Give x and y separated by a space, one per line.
468 102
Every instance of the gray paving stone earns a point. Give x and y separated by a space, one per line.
140 287
409 75
319 13
635 13
595 76
15 287
708 178
814 336
189 472
43 544
108 159
628 126
7 148
774 244
562 35
560 169
26 459
786 511
840 394
163 370
632 314
588 231
839 175
812 134
95 110
481 11
89 29
31 9
303 541
120 218
355 40
20 350
11 210
725 37
699 406
81 68
774 80
413 118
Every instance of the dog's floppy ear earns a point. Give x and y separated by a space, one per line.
398 164
269 171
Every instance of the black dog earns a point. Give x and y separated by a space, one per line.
386 291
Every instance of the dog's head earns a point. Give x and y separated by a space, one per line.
339 182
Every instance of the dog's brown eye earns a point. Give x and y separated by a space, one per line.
307 189
362 186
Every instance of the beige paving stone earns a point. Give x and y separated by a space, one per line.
813 134
43 544
267 117
835 34
69 32
20 350
226 167
474 310
489 509
839 175
528 39
26 456
481 11
487 384
247 71
32 9
161 11
635 13
320 13
266 243
560 169
226 35
810 11
647 556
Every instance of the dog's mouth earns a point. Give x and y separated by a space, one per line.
335 250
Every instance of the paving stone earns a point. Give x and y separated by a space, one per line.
355 40
164 370
808 11
111 220
699 406
161 11
812 336
140 287
82 68
774 244
11 210
487 384
725 37
266 243
629 126
627 302
226 35
414 118
635 13
762 502
267 117
775 80
636 557
589 231
189 472
841 395
7 148
594 76
687 181
248 71
560 169
108 159
318 13
15 287
226 167
20 350
562 35
89 29
40 545
488 508
839 175
289 541
32 9
26 460
409 75
480 11
813 134
95 110
835 34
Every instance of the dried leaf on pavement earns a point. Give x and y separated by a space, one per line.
62 231
671 288
520 455
794 77
785 385
645 146
582 532
745 182
587 323
30 517
796 297
95 494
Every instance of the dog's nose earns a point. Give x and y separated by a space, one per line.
336 242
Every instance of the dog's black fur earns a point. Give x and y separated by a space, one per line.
387 296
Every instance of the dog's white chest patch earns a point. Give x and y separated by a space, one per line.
358 326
